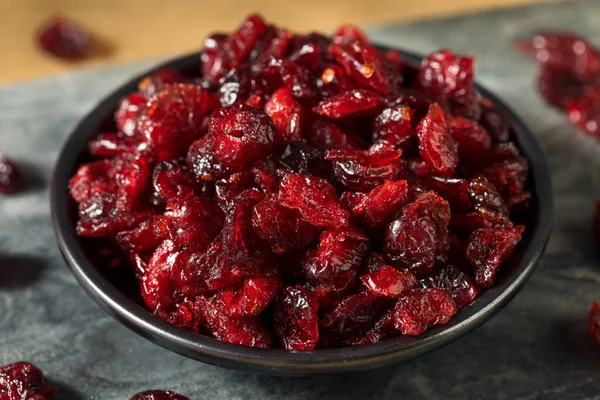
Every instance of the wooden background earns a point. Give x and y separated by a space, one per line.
138 29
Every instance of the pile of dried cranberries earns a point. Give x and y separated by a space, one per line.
307 192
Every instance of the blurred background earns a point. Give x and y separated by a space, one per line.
141 29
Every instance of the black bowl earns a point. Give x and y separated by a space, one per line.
119 295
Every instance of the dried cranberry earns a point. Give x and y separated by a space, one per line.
487 249
388 281
158 395
349 34
128 112
296 320
383 328
472 139
314 198
454 281
324 134
393 126
357 101
114 144
155 81
436 144
248 298
594 322
64 38
584 111
228 189
10 178
25 381
454 190
286 114
420 309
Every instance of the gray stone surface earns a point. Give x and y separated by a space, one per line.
537 347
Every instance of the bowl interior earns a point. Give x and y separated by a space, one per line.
116 290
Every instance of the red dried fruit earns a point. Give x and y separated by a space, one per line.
488 203
372 263
128 112
349 34
454 190
228 189
282 228
374 210
249 298
494 122
324 134
24 381
393 126
296 320
487 249
420 309
64 38
388 281
383 328
173 119
300 158
314 198
594 322
474 143
114 144
155 81
454 281
146 236
416 238
202 160
173 181
336 261
242 135
352 317
158 395
365 170
560 87
246 331
299 80
584 111
436 144
509 176
353 102
286 114
448 78
10 178
366 65
196 222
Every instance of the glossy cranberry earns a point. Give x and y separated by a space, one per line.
64 38
128 112
454 281
24 381
357 101
296 319
393 126
10 178
436 144
155 81
420 309
286 114
388 281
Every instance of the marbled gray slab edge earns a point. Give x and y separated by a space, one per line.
537 347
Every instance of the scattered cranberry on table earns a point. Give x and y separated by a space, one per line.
305 192
10 177
24 381
158 395
569 76
64 38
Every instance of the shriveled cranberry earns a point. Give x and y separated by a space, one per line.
242 135
357 101
332 267
594 322
100 217
436 144
202 160
487 249
388 281
286 114
10 177
365 170
299 80
148 235
448 78
454 281
158 395
373 262
415 239
301 158
349 34
488 203
509 176
248 298
155 81
64 38
296 319
454 190
227 189
473 141
173 181
324 134
314 198
383 328
23 380
393 126
267 176
128 112
281 227
584 111
495 123
420 309
114 144
173 119
352 317
245 331
274 43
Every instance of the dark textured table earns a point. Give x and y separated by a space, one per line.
537 347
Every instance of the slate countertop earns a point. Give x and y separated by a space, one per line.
537 347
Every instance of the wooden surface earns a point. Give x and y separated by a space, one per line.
138 29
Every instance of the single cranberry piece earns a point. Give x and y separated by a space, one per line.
373 262
560 87
420 309
394 126
286 114
25 381
324 134
158 395
10 178
383 328
594 322
353 102
248 298
454 281
454 190
156 80
436 144
584 112
114 144
487 249
148 235
473 141
314 198
173 181
296 319
488 203
64 38
128 112
349 34
388 281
